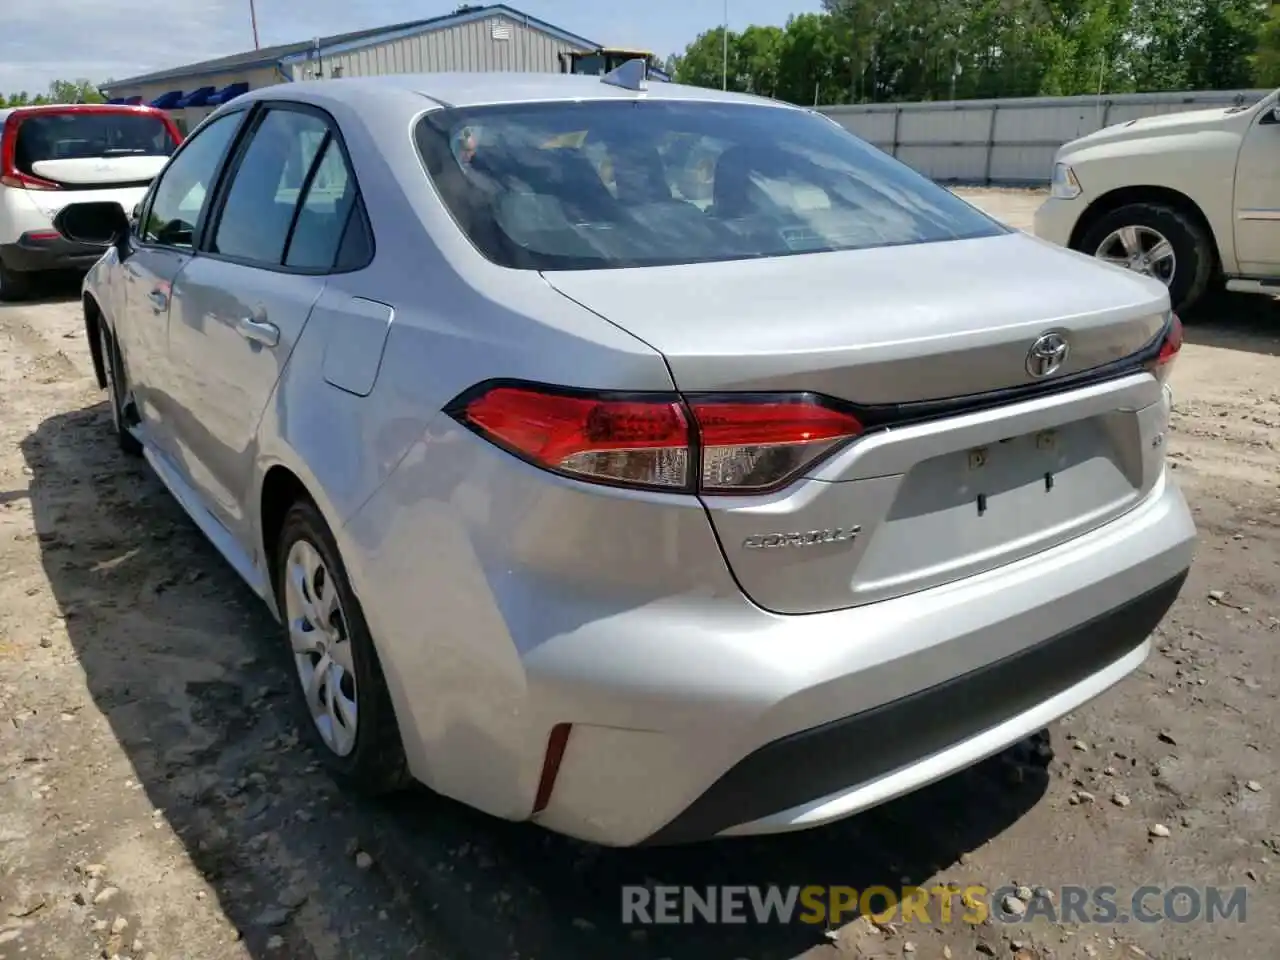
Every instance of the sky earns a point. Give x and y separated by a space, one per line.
45 40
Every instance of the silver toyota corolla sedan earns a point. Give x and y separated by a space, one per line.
650 464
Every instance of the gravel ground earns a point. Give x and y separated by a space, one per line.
155 802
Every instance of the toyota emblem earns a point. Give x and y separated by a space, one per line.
1047 355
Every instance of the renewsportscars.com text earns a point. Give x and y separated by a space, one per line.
941 904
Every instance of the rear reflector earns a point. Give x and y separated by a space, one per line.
556 744
727 444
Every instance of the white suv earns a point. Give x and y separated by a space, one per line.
54 155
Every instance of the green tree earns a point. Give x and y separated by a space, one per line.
74 91
858 51
1223 36
701 64
1266 60
757 58
60 91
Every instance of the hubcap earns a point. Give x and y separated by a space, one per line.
1142 250
321 647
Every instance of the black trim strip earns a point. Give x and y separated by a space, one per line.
857 749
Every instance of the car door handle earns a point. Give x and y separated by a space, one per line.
159 299
259 331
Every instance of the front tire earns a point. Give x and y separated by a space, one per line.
1157 240
14 286
117 392
342 692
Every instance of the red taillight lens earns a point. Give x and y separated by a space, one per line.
747 444
1170 346
626 440
757 444
23 181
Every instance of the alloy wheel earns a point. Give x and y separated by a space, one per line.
1140 249
321 647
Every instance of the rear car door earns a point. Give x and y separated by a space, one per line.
162 243
241 305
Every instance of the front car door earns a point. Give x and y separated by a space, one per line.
241 304
161 245
1257 197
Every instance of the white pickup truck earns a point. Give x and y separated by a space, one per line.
1189 198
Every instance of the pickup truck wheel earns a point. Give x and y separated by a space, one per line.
1158 241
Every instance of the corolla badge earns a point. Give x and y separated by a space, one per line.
1047 355
810 538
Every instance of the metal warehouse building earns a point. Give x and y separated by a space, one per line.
492 37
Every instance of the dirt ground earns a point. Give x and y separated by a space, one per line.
155 802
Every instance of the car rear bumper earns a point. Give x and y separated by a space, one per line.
805 778
818 717
32 253
692 712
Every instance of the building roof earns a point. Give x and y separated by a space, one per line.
345 42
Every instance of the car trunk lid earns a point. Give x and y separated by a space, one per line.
960 469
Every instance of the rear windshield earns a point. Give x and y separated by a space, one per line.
581 186
85 136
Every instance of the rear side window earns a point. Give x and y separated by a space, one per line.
574 186
291 197
324 212
264 193
97 135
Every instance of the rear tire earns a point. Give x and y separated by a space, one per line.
341 691
117 392
1194 257
14 285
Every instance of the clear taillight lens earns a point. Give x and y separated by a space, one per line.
736 444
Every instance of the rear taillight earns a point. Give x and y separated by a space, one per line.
10 175
756 443
1162 364
726 444
636 441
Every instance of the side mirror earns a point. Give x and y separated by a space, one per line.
99 223
1275 112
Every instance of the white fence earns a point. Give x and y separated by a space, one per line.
1007 141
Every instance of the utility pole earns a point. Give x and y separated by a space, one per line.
724 36
253 18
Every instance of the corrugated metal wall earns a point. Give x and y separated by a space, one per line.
495 43
1007 141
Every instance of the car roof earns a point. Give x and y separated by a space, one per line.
481 89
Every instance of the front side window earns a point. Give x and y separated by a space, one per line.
179 195
264 193
597 185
